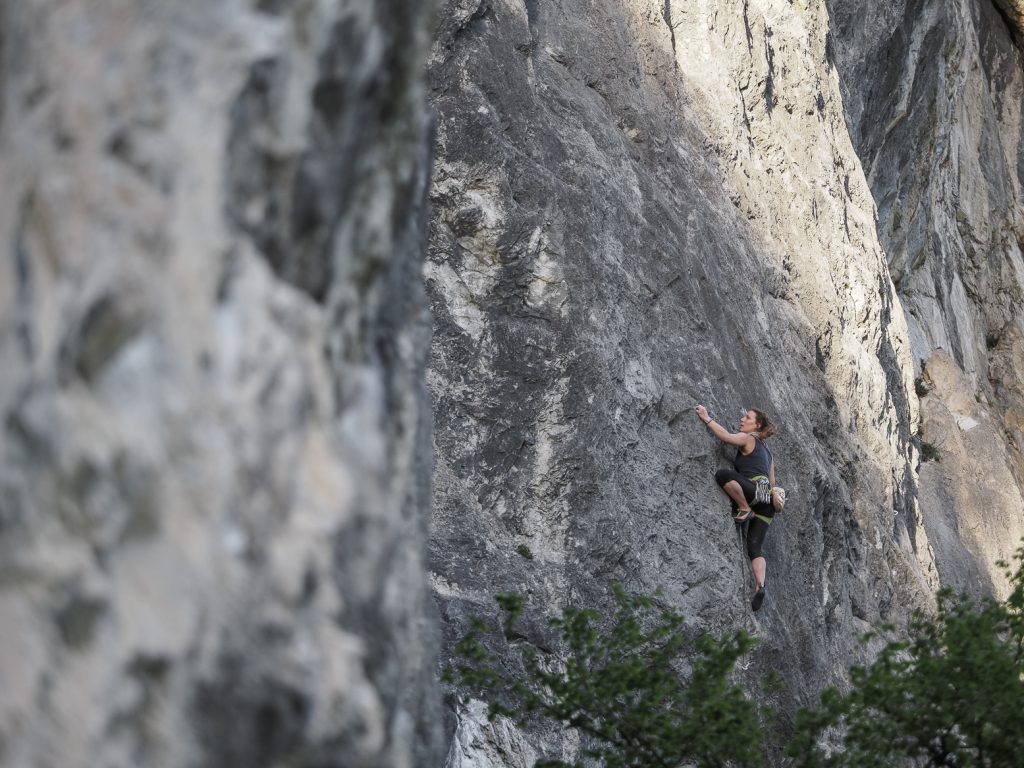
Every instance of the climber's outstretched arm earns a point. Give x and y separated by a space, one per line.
741 439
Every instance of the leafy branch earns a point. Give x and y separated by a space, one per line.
619 683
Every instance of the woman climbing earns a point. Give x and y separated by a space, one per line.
749 484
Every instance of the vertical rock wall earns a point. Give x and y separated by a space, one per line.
215 456
640 206
934 94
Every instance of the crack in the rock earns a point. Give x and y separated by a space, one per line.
531 17
666 14
746 25
482 11
770 99
23 270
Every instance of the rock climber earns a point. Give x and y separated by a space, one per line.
748 485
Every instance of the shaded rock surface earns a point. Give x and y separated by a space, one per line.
215 454
640 206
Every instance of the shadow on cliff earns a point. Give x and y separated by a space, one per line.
592 279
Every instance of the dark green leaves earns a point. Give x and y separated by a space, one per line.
619 682
951 695
950 692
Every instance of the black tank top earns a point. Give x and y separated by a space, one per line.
754 463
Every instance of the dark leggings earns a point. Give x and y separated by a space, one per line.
757 528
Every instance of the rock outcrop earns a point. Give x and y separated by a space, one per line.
640 206
215 452
934 93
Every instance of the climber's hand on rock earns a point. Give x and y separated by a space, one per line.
702 412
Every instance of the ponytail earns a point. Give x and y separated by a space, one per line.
765 428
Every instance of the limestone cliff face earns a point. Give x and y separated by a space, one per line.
934 93
212 336
639 206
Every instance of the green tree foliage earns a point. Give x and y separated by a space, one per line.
618 682
951 695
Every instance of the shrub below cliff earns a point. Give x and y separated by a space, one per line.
620 683
950 694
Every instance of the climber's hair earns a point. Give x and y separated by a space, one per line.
765 428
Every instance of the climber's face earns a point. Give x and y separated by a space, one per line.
748 422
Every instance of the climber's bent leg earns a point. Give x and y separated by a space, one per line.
739 489
735 492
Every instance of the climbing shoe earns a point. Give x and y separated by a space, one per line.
755 604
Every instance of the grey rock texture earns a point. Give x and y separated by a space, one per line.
1013 13
215 445
639 206
934 93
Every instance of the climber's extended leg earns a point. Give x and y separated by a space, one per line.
758 565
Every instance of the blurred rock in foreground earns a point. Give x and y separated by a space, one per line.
214 462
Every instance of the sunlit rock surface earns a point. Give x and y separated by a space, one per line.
940 133
639 206
212 335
